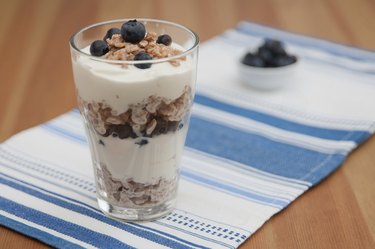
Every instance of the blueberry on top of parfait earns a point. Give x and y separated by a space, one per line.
111 32
164 39
99 48
133 31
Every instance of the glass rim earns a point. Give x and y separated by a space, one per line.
153 61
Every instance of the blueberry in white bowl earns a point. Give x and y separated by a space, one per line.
269 66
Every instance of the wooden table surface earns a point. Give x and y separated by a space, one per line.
36 85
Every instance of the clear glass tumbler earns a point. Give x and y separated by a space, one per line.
136 115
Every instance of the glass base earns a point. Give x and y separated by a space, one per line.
136 214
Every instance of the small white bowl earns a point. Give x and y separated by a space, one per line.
267 78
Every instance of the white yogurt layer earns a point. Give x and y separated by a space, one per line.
119 86
159 158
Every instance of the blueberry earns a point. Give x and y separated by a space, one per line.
161 127
173 125
120 131
99 48
272 43
111 129
164 39
253 60
125 131
142 142
111 32
275 46
142 56
265 54
133 31
284 60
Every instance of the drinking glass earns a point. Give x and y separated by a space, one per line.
136 116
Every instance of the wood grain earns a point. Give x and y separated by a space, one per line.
36 85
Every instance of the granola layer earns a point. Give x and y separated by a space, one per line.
150 117
134 194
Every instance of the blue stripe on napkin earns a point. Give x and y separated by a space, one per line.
67 228
81 232
38 234
259 152
335 134
177 228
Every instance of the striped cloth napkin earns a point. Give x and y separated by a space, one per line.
249 153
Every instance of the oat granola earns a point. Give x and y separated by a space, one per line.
121 50
135 194
152 116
